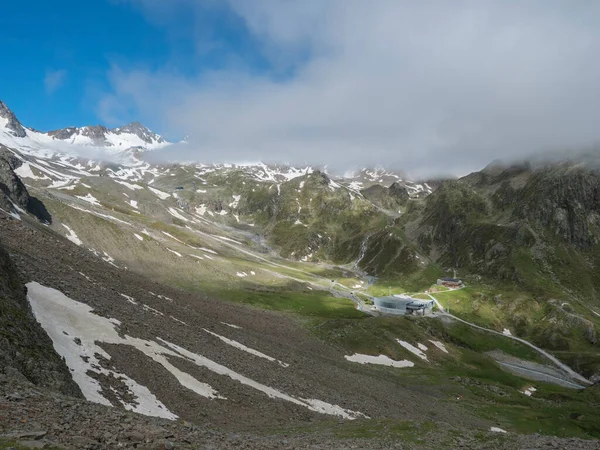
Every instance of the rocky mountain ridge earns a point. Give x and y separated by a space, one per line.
121 138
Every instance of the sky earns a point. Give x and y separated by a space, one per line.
426 87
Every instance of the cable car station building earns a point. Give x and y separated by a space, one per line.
402 305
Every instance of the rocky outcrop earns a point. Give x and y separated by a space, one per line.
96 133
13 125
391 198
565 201
26 351
399 193
13 193
63 133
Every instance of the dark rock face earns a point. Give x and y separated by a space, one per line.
10 158
517 221
96 133
399 192
14 126
566 202
12 188
65 133
25 349
13 191
390 198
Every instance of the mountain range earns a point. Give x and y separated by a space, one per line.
132 135
230 305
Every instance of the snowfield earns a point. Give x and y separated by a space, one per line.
74 336
76 333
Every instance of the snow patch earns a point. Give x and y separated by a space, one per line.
109 259
235 202
133 187
381 360
439 345
24 171
90 199
160 194
74 331
178 215
529 391
152 310
411 348
311 404
242 347
172 237
85 276
179 321
129 299
72 236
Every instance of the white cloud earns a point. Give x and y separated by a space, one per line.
54 80
424 86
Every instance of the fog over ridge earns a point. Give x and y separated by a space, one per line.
428 87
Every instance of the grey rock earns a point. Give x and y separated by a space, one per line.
25 348
14 126
14 397
33 444
25 435
83 441
134 436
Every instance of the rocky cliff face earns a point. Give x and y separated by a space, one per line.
565 201
12 125
26 351
13 193
391 198
518 223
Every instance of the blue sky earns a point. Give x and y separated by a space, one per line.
57 55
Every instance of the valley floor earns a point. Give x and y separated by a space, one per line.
302 358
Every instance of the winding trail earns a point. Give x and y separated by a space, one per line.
566 369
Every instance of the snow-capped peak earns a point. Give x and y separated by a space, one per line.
9 122
132 135
140 131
